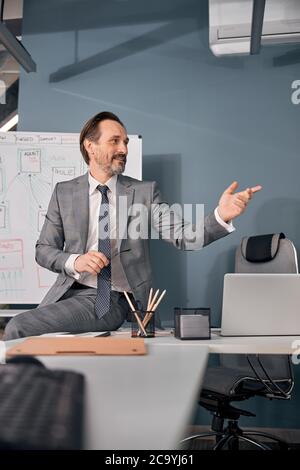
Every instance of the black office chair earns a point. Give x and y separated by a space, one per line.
240 377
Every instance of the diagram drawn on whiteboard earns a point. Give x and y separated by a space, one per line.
31 164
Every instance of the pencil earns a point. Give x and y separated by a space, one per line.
135 314
146 321
149 308
159 300
148 305
153 300
149 299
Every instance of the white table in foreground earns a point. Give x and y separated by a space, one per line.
138 402
145 402
239 344
9 313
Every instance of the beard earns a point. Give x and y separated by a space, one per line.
118 164
115 167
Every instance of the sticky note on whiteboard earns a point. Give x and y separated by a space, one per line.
30 161
62 174
11 254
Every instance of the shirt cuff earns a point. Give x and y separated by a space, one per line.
229 227
69 267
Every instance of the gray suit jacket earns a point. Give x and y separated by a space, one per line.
65 231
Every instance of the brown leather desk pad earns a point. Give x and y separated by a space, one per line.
79 346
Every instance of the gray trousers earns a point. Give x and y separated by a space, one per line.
74 312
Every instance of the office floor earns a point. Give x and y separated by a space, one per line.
292 436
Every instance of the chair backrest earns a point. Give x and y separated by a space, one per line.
265 254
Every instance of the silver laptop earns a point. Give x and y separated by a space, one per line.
261 305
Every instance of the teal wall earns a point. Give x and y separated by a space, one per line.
205 121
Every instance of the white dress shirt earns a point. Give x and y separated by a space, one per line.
118 276
229 227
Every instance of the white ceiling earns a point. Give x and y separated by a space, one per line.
13 9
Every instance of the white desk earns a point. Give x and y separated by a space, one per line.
239 344
145 402
9 313
138 402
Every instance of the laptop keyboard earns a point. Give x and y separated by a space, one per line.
40 408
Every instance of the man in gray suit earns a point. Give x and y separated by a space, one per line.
86 238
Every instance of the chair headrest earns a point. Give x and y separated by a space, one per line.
261 248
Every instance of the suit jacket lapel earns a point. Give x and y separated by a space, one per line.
81 208
124 195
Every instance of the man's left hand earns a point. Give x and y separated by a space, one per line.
233 204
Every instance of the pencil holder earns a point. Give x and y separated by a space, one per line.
143 324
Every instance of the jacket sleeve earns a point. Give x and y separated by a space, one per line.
169 223
49 247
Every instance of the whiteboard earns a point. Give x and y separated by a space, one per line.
31 163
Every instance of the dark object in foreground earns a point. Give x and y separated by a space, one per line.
40 409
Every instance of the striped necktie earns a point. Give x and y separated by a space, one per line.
102 304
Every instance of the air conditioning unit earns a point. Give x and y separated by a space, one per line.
230 24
